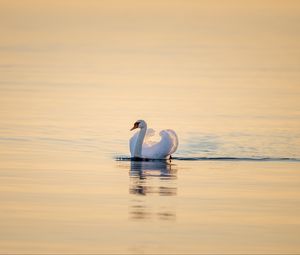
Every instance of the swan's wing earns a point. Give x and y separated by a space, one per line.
160 150
147 141
173 136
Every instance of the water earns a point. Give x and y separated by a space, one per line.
73 80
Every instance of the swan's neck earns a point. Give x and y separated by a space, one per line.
139 143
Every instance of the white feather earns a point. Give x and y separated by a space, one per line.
156 150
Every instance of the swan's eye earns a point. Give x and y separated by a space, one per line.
137 124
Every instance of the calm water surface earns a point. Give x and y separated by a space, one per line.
73 80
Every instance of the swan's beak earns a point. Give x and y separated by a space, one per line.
136 125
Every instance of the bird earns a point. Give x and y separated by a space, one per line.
142 148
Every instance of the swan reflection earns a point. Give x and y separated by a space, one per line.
152 178
141 172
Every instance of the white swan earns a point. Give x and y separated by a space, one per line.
141 147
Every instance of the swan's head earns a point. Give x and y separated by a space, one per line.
139 124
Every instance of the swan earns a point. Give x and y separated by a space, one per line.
142 148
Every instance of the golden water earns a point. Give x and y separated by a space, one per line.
75 77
